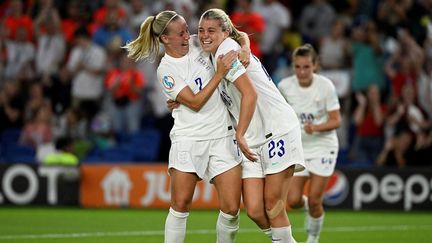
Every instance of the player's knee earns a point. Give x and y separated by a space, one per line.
278 207
294 202
256 214
181 204
231 209
314 202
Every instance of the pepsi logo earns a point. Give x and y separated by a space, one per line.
337 189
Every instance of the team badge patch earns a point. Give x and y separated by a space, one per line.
168 82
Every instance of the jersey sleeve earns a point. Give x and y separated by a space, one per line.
237 68
171 83
332 100
286 85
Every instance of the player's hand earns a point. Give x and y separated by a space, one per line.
241 142
244 56
172 104
225 62
309 128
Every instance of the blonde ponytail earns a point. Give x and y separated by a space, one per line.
147 44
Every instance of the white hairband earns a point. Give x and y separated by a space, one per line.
167 24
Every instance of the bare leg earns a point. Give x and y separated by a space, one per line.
275 197
182 189
316 209
228 186
253 199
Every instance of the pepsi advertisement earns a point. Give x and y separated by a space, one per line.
360 189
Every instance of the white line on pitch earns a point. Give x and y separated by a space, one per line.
207 231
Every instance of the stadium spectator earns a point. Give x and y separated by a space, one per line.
201 121
39 6
391 15
101 132
404 65
72 20
20 56
277 18
58 89
11 105
15 19
250 22
334 48
35 100
137 14
38 130
71 124
100 15
51 46
315 20
87 65
314 99
63 154
369 117
111 31
406 126
416 15
424 91
125 85
265 123
367 54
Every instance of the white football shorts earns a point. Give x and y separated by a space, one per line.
322 166
206 158
276 155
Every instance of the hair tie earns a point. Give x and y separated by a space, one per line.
167 24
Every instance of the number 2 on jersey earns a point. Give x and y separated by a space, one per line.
276 148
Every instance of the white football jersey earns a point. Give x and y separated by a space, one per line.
195 71
273 116
312 105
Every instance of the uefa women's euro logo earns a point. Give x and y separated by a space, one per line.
168 82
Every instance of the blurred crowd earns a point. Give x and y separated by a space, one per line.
66 86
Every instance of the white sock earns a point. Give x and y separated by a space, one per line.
282 235
315 226
227 227
175 226
306 211
267 232
305 205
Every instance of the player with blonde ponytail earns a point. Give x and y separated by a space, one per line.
203 142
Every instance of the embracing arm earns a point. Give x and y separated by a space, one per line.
247 109
197 101
245 50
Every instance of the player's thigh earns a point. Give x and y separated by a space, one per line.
228 186
228 182
296 188
182 189
317 187
277 185
253 194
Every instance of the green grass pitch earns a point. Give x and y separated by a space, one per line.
27 224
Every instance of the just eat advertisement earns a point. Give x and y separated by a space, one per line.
136 186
